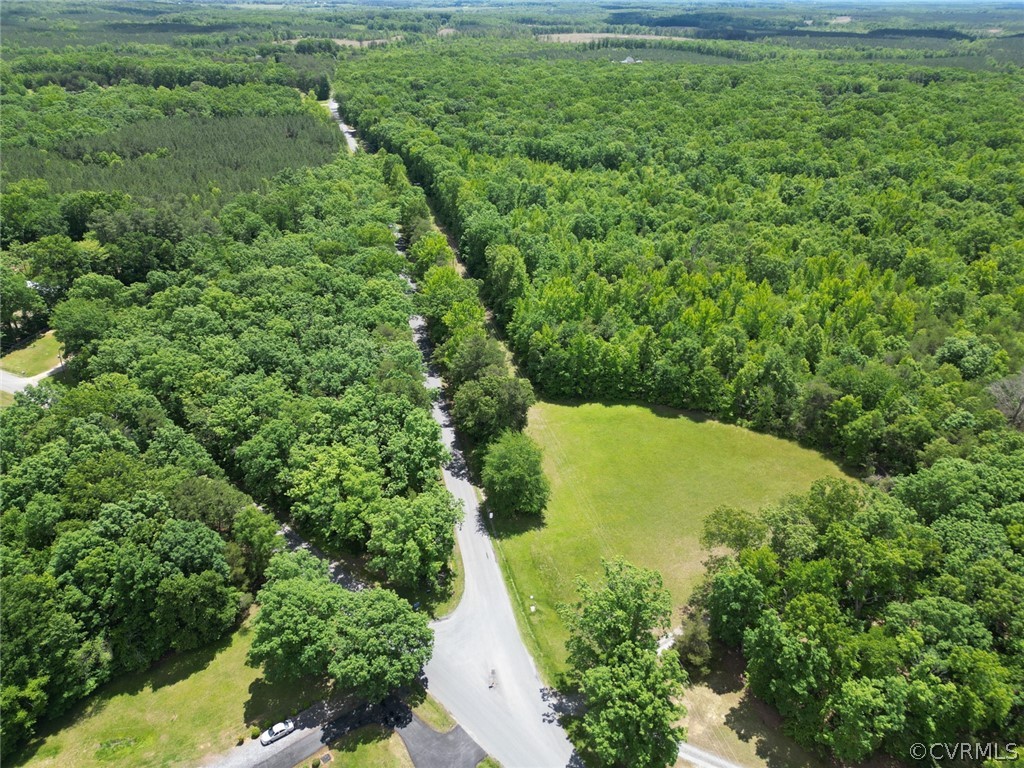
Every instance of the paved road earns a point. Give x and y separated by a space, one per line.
513 720
319 725
430 749
701 759
480 669
14 384
348 130
314 728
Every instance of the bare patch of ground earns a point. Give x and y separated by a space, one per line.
724 718
345 42
586 37
841 20
446 31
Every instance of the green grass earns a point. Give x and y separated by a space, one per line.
637 482
41 355
458 585
6 399
430 710
370 747
191 705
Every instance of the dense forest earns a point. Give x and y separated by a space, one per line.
873 622
830 253
125 162
274 353
804 230
232 339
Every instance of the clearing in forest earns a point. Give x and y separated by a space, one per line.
638 482
39 356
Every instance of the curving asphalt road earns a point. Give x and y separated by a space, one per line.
348 130
480 669
479 642
699 758
14 384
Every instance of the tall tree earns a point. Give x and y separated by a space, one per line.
628 689
513 477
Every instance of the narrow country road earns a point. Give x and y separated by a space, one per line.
348 130
700 759
481 671
14 384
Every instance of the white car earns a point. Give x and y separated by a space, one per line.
275 732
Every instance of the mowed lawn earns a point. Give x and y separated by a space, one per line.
371 747
191 705
41 355
637 482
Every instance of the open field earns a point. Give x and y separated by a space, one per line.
635 481
6 399
41 355
191 705
587 37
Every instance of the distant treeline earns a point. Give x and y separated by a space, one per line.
728 27
162 67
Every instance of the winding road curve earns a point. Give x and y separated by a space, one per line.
480 670
14 384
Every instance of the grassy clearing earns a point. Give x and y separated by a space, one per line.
6 399
458 585
369 747
41 355
637 482
430 710
191 705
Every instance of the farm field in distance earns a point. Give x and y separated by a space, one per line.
638 482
